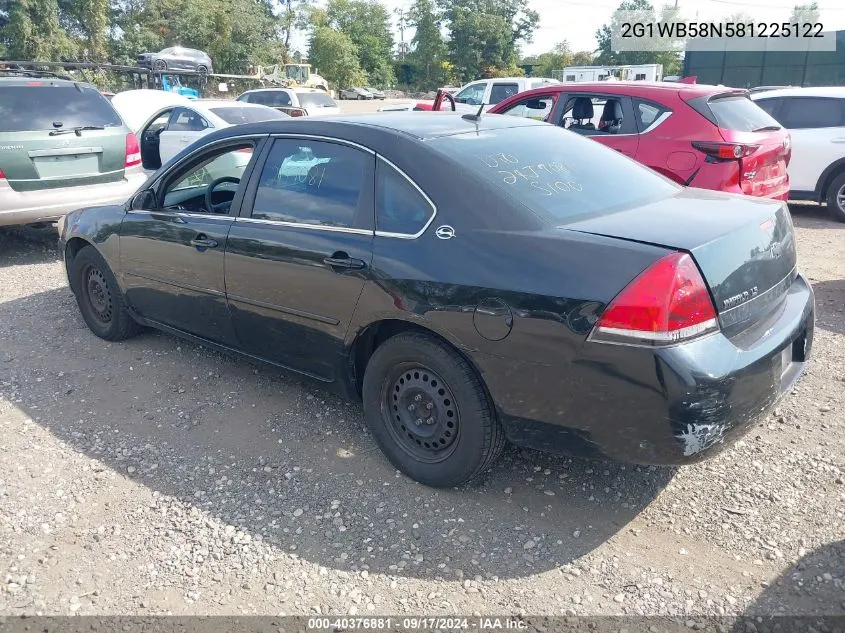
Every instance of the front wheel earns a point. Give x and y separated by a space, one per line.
836 198
159 65
99 297
429 412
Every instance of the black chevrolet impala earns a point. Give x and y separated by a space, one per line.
471 279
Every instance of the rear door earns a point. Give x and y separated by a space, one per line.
817 126
299 254
606 118
42 141
172 249
185 126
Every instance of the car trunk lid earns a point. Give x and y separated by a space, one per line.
44 143
744 247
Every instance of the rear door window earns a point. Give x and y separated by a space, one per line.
770 107
501 91
401 207
38 107
314 182
598 115
811 112
186 120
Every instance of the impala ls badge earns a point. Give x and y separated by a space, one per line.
742 297
445 232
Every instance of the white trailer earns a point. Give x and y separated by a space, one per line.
636 72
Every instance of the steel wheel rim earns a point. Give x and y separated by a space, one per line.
98 294
840 198
421 412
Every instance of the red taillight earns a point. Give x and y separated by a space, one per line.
297 112
725 151
2 175
667 303
133 151
244 150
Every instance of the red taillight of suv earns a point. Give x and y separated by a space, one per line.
667 303
133 151
2 175
725 151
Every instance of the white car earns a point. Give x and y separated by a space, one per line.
815 118
486 92
314 101
166 123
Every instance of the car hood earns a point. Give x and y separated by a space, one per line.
135 107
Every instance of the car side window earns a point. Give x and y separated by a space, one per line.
597 115
186 190
539 108
647 113
811 112
501 91
313 182
472 94
160 122
400 207
186 120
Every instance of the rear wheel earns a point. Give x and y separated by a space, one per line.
99 298
836 198
202 70
429 411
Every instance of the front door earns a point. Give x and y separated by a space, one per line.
172 252
606 118
299 254
185 126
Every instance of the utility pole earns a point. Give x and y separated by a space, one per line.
402 21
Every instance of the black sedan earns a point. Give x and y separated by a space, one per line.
177 58
471 279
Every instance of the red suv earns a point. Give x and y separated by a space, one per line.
701 136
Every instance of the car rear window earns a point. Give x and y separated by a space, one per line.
561 176
272 98
315 100
38 107
235 115
739 113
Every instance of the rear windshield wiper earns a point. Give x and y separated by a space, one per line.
77 130
767 128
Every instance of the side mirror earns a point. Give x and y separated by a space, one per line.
143 201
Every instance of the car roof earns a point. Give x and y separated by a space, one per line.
632 87
422 126
30 81
266 90
817 91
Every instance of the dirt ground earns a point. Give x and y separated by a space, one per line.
155 476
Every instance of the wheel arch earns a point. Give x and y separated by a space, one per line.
828 175
370 337
72 248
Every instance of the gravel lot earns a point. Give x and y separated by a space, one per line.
155 476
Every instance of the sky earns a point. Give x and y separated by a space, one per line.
576 21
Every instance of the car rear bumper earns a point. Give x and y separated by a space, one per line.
671 406
47 205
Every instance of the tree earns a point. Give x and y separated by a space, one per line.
33 31
805 13
428 50
335 54
294 17
484 35
558 58
582 58
607 56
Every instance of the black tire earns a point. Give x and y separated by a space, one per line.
361 97
202 70
159 65
99 297
461 421
836 198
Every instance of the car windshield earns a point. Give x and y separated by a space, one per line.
317 99
559 175
38 107
236 115
740 114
